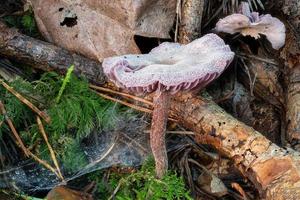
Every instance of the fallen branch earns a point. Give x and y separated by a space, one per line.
274 170
45 56
130 105
290 53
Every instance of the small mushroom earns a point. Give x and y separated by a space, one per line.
166 70
253 24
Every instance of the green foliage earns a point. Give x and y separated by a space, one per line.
25 22
16 110
65 82
143 185
28 22
79 110
73 118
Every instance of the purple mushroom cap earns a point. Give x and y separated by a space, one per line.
253 24
171 66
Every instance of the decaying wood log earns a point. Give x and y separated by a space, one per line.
290 54
45 56
274 170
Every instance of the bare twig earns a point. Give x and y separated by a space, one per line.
251 81
178 19
52 154
142 109
26 102
269 61
44 163
13 129
139 108
122 94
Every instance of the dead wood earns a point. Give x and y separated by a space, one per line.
45 56
291 9
290 54
261 74
274 171
190 20
256 113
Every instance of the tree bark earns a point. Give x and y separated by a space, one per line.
290 54
45 56
190 22
274 171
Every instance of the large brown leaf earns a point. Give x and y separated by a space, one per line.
103 28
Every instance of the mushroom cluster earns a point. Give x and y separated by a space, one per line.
253 24
166 70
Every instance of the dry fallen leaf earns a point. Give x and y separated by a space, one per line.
99 29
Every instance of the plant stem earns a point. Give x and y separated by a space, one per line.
158 129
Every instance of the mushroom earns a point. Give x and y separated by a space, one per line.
253 24
166 70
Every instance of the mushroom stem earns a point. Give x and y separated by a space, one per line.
158 129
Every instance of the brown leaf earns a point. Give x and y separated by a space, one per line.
99 29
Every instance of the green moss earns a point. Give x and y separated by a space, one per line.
142 185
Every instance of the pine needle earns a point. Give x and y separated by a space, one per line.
121 93
43 115
138 108
146 110
52 154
